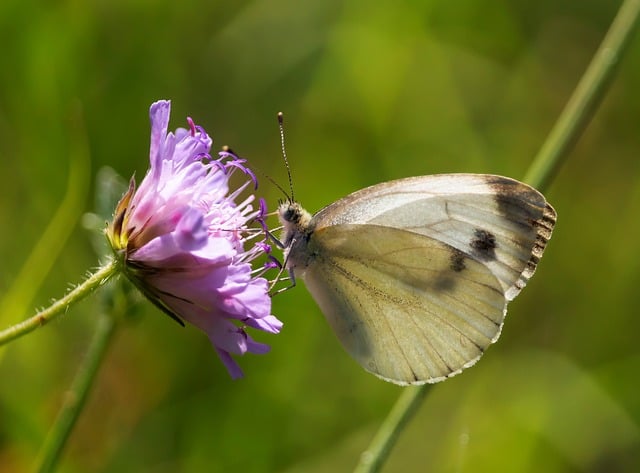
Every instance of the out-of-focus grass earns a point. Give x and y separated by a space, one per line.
370 92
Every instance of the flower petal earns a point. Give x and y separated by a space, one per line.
159 114
232 366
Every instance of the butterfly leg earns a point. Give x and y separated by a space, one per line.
291 278
274 239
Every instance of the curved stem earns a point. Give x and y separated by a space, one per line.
15 302
76 397
381 445
585 99
97 279
48 247
576 115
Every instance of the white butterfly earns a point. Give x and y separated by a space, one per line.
414 275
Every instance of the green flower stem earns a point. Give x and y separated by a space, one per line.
572 121
17 299
97 279
381 445
76 397
585 99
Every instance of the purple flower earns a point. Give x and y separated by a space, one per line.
187 244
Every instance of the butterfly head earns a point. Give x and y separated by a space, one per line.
294 220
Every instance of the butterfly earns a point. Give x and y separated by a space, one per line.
414 275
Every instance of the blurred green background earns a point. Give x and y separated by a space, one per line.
371 91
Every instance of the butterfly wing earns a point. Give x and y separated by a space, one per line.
408 308
414 275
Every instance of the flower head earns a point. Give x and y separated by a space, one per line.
187 244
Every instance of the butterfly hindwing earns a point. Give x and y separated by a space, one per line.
408 308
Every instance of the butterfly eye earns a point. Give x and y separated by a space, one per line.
291 214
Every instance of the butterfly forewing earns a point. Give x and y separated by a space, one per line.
499 221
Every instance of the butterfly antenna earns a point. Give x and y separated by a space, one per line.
272 181
284 152
260 172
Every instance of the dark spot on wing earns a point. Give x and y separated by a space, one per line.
456 260
444 282
516 201
445 279
483 245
